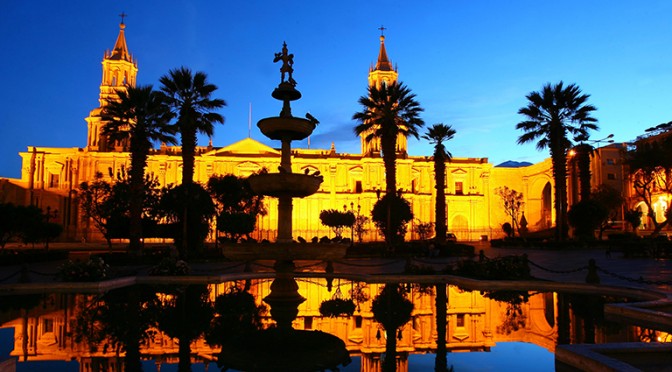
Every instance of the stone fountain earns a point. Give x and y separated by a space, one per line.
286 128
285 184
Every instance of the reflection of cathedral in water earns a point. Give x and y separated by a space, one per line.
474 323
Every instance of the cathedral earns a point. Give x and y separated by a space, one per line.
50 177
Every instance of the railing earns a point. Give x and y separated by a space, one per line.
372 235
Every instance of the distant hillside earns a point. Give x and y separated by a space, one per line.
513 164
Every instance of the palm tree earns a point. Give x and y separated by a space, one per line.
436 135
138 116
389 110
189 96
552 114
583 153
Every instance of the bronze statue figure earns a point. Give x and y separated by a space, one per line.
287 63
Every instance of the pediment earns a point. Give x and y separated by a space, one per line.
246 146
459 171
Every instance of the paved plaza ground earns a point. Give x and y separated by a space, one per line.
555 265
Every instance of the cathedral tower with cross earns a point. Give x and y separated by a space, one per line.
119 72
382 73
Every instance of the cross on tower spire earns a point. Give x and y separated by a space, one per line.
123 15
382 30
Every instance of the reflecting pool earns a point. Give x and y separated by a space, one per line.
301 322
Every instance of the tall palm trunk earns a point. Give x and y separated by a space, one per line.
132 360
559 161
188 154
440 213
184 341
583 161
390 362
137 175
441 304
389 144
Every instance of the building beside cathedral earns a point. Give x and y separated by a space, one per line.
51 176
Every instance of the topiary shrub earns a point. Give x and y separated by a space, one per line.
394 211
391 308
337 307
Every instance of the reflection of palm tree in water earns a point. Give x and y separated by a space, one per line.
186 316
391 309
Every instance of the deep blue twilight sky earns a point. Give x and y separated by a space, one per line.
470 62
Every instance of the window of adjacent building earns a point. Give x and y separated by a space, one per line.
358 187
610 161
460 320
308 322
53 180
413 186
459 188
358 322
611 176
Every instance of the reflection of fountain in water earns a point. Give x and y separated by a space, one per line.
283 348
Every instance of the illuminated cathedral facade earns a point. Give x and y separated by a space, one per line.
51 176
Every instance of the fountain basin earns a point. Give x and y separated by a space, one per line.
286 128
628 356
286 91
285 184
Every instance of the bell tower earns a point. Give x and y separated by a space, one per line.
119 72
381 73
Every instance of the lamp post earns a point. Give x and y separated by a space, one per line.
597 144
49 214
581 154
356 213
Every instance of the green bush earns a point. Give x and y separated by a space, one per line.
92 270
170 267
502 268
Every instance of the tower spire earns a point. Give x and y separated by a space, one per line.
120 50
383 63
119 72
382 74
